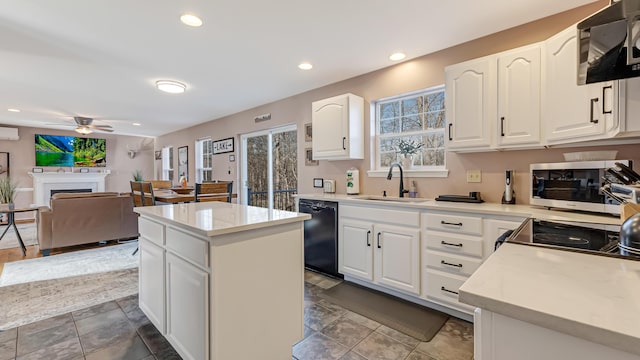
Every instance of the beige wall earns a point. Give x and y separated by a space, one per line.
409 76
22 157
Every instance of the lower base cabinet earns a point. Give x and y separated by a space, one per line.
151 274
499 337
187 307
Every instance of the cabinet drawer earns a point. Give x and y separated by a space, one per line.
453 223
444 287
380 214
151 231
453 243
188 247
451 263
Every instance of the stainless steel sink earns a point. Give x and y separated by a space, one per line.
392 198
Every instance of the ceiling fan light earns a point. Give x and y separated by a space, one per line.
170 86
84 130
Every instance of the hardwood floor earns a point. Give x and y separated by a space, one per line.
14 254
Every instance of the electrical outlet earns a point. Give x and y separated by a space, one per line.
474 176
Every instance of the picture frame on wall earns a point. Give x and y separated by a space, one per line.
183 162
308 158
158 155
308 132
223 146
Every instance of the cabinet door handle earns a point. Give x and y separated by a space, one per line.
591 119
450 223
379 247
450 138
502 126
368 240
450 264
344 142
447 290
450 244
604 99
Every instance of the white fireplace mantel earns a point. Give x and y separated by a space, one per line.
44 182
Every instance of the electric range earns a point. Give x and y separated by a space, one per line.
591 238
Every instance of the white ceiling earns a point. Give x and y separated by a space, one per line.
101 58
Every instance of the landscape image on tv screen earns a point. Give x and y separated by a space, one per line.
56 150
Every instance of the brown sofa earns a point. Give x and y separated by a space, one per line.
83 218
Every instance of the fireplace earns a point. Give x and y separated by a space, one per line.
46 183
69 191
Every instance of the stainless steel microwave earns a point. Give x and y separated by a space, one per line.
573 185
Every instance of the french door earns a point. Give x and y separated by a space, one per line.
270 168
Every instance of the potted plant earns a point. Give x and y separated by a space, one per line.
137 175
7 191
408 148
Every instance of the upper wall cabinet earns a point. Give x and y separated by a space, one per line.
494 102
519 79
573 112
338 128
470 103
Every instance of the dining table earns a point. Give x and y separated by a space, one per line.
172 197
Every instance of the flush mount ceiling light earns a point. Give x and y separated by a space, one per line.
397 56
305 66
171 86
14 110
84 130
191 20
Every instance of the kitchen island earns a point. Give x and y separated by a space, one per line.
223 281
540 303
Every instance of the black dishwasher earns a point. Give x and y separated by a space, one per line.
321 236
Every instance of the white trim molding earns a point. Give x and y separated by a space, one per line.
44 182
411 173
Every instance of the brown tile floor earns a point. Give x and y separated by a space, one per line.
119 330
332 332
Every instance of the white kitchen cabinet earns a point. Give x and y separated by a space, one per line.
573 112
496 228
187 308
380 245
338 128
151 277
471 103
519 87
355 250
499 337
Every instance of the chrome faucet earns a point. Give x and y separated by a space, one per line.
402 190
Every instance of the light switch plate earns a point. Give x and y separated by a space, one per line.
474 176
318 182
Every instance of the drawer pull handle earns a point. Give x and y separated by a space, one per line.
447 290
450 244
379 247
368 240
450 223
450 264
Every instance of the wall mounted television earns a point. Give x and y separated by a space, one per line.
56 150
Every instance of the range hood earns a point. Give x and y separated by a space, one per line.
609 47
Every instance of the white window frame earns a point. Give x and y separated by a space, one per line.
167 162
200 159
417 171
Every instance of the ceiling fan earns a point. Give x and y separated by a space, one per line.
84 125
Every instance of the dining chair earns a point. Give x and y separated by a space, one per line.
142 192
160 184
213 191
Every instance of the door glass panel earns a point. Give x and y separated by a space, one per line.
285 170
257 170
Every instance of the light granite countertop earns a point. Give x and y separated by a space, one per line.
217 218
593 297
522 211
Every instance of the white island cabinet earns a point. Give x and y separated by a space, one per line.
214 276
539 303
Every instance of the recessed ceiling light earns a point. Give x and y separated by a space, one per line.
171 86
135 124
305 66
397 56
14 110
191 20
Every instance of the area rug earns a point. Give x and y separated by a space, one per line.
412 319
25 303
27 233
108 258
